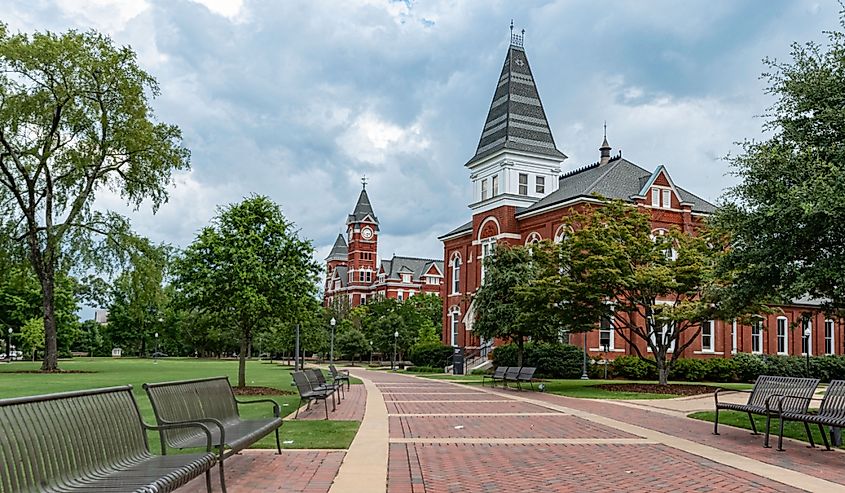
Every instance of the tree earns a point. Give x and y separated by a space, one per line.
75 120
786 218
32 336
352 343
503 307
658 290
249 270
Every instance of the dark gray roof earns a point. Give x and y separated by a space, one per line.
339 250
342 273
416 266
516 119
362 209
463 228
618 179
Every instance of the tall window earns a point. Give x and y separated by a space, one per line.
541 185
807 341
484 189
829 347
783 341
667 198
523 184
456 275
606 334
495 186
733 337
453 340
708 343
757 336
663 333
400 295
655 197
487 249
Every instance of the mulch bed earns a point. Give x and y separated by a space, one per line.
257 390
653 388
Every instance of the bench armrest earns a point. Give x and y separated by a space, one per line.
716 394
215 422
276 410
782 397
189 424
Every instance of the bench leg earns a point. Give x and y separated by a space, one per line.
222 474
716 423
809 435
753 425
780 436
824 437
278 442
768 427
208 480
326 405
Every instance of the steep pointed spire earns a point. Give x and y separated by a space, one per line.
516 119
605 148
339 250
362 208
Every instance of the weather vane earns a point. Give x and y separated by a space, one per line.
364 181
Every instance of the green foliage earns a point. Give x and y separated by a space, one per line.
76 120
749 366
428 334
431 354
423 369
249 271
689 370
552 360
32 336
634 368
792 184
351 343
721 370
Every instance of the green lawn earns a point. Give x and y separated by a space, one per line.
581 388
110 372
791 429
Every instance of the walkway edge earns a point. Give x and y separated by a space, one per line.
365 462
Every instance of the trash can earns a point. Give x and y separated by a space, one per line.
458 361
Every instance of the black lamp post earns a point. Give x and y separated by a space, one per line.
155 354
332 322
9 346
584 375
606 362
371 353
393 361
807 333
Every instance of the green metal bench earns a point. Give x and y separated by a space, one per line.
831 413
90 440
498 375
209 401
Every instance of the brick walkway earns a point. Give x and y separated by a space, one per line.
447 438
350 408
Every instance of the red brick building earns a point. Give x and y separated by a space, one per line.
520 197
354 273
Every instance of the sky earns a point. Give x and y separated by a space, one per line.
297 100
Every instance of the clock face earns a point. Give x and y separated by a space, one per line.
367 233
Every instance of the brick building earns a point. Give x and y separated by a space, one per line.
354 273
520 196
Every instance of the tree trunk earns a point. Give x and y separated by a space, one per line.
662 370
520 348
242 362
51 349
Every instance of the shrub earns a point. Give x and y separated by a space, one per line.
828 368
423 369
431 355
720 370
785 366
749 366
479 371
689 370
634 368
551 360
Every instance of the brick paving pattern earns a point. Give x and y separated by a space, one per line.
295 471
561 426
350 408
497 406
443 396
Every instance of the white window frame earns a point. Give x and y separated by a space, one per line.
670 252
487 249
667 198
540 184
708 329
484 189
806 341
663 330
733 337
400 295
494 189
758 337
782 335
829 337
522 191
655 197
406 278
610 330
453 327
456 274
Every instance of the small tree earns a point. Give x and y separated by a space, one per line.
249 269
352 343
32 336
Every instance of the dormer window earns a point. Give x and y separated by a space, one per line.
484 189
667 199
406 278
495 187
541 185
655 197
523 183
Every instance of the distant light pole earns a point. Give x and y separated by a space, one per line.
393 361
606 350
584 375
371 353
332 322
807 333
9 346
155 354
296 351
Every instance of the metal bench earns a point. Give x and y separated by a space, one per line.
340 376
90 440
318 381
307 392
498 375
831 413
510 375
209 401
526 374
767 389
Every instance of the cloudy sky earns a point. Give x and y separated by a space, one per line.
298 99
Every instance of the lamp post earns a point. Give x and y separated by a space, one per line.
807 333
371 353
584 375
296 351
9 346
332 322
606 350
155 354
393 361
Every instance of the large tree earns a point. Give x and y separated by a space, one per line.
658 290
786 218
249 270
76 120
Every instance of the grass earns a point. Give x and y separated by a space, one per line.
111 372
739 419
585 389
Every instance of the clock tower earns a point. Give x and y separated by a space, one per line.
362 238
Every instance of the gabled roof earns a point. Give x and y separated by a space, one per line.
363 210
460 230
339 250
341 273
516 119
617 179
417 267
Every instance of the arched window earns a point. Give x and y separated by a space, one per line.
561 233
456 273
454 321
533 238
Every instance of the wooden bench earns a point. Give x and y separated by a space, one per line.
212 402
831 413
91 440
793 391
497 376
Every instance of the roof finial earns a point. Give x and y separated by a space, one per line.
605 147
516 39
364 181
511 27
605 130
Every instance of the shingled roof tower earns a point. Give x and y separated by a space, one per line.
516 162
